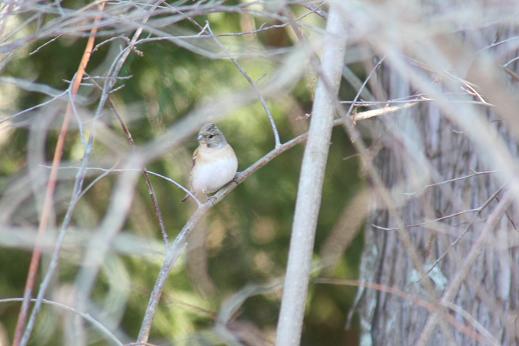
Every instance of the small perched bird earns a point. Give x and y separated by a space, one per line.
214 162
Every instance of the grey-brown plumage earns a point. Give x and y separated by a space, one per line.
214 162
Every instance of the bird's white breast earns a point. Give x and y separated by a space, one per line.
214 169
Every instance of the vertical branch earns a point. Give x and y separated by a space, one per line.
311 182
51 186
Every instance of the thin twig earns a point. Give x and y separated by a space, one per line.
84 315
380 111
359 92
452 289
149 186
277 141
449 216
431 307
458 239
115 170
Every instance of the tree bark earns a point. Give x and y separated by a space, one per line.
488 291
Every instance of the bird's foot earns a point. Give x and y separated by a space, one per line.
212 199
236 178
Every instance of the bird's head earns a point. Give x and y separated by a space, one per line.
211 136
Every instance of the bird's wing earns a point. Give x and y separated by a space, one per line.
195 154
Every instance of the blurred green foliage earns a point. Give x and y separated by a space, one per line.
248 233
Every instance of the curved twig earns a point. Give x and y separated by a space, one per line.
84 315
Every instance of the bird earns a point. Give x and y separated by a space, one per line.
214 162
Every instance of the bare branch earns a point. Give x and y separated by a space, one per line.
310 183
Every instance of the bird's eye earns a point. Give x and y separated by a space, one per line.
210 136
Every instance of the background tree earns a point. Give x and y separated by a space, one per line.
444 252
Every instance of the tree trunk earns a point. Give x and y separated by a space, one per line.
488 292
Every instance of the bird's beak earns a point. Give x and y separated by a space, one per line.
199 137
